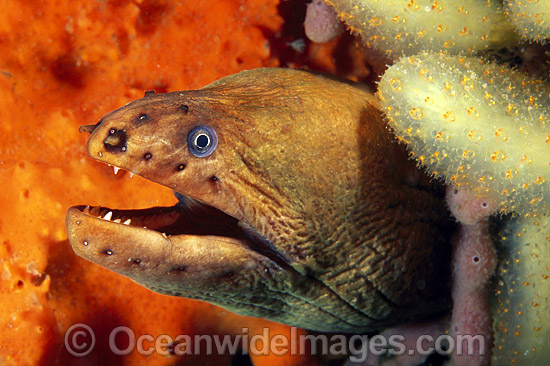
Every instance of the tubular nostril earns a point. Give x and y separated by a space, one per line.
116 141
113 139
88 128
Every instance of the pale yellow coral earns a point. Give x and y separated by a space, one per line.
531 18
522 303
481 125
409 26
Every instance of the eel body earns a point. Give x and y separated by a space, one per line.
295 204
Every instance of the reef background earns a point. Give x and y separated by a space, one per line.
64 64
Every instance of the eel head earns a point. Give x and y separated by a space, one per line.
295 204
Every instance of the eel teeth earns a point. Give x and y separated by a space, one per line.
117 221
115 169
127 222
108 216
94 211
86 210
131 174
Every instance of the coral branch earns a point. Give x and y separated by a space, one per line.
530 17
482 126
474 261
522 300
409 26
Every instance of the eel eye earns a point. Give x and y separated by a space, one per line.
202 141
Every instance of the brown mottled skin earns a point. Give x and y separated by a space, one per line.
315 217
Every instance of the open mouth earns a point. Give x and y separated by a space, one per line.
188 217
158 218
180 219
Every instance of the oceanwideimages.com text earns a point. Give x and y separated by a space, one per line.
80 341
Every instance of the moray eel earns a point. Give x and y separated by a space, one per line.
295 204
